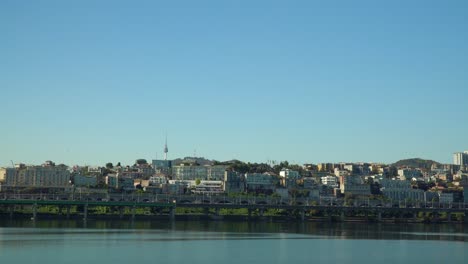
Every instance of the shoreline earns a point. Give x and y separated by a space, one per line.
223 218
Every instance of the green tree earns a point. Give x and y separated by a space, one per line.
109 165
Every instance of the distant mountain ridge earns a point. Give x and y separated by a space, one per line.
415 163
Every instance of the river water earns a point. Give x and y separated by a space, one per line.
229 242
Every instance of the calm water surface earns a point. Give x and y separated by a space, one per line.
229 242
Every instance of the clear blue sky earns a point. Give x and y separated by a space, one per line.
86 82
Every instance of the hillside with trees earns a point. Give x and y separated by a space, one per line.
415 163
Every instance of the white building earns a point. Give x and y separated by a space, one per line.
157 180
209 187
330 181
460 158
47 175
190 172
400 190
408 174
289 174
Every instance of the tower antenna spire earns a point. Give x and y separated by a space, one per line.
165 149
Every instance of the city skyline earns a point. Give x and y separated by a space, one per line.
454 161
89 83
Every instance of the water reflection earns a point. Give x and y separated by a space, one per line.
255 230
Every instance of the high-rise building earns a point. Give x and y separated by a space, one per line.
460 158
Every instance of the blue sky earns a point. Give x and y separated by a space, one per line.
87 82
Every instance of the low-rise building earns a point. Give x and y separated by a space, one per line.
257 181
354 185
209 187
446 197
162 166
157 180
289 174
190 172
216 172
84 180
45 176
7 175
357 189
289 178
120 182
341 173
396 194
408 174
233 182
309 183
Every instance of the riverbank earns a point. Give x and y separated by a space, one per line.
228 218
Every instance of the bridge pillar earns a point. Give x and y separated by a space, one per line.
342 216
250 213
68 211
262 211
34 209
466 218
415 216
85 212
172 214
379 216
449 217
303 215
217 211
206 211
133 212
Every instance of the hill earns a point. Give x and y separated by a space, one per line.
415 163
198 160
